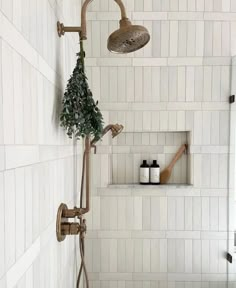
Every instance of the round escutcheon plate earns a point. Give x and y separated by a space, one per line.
60 220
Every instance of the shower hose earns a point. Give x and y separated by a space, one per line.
82 235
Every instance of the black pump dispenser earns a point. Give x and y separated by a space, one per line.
144 174
155 173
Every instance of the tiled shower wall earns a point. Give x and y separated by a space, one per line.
37 162
179 82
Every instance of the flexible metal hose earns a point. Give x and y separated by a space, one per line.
81 237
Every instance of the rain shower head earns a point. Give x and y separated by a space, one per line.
128 38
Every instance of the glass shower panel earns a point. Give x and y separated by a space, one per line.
232 180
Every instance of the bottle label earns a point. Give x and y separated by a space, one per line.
155 175
144 175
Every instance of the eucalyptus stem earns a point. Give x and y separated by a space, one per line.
80 115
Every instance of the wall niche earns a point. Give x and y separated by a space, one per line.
131 148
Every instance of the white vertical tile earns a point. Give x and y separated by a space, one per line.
191 36
2 217
163 255
96 83
155 214
181 83
214 214
163 213
163 121
146 213
188 256
164 84
188 213
223 171
174 5
138 84
197 128
104 84
209 5
205 256
130 84
207 87
138 121
180 253
173 121
225 38
183 4
138 255
173 84
226 5
191 5
225 83
215 128
181 120
10 216
147 84
147 50
113 256
105 255
146 255
20 211
199 37
180 213
173 38
171 255
139 5
214 258
113 213
8 94
18 99
113 85
129 251
156 38
206 170
155 84
165 31
197 256
155 255
205 213
208 47
217 39
182 48
197 213
198 87
121 206
171 213
7 8
214 171
137 213
190 84
206 129
222 214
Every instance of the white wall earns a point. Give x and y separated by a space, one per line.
36 159
179 82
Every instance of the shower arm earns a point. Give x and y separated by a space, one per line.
82 30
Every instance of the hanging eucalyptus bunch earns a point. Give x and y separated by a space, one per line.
80 115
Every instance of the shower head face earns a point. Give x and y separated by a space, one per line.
128 38
116 130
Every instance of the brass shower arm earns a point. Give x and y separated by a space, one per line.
122 9
82 30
